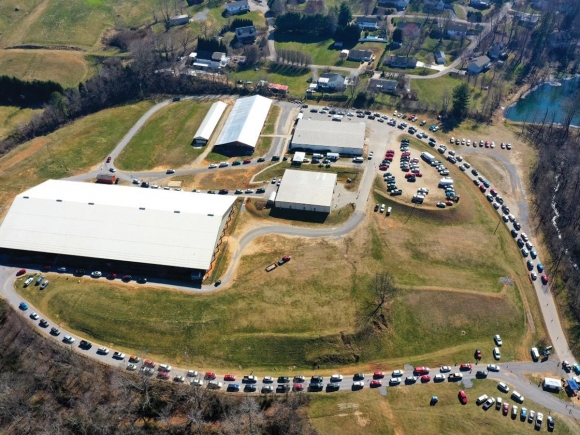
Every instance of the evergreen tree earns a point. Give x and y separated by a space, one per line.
344 15
461 98
398 36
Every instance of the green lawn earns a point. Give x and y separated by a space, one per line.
296 80
431 91
322 51
407 410
270 125
70 150
12 117
166 138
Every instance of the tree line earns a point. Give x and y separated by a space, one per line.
65 393
16 92
293 58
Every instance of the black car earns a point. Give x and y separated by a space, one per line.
275 158
261 159
79 272
333 386
368 112
396 192
142 280
283 379
514 233
316 379
144 184
127 278
517 225
55 331
376 207
260 190
282 388
332 112
43 323
371 117
250 388
211 192
481 374
315 386
223 191
359 377
84 344
474 172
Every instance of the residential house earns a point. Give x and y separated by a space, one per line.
440 58
496 50
435 5
178 20
525 19
382 85
361 55
456 30
246 35
237 7
400 62
331 81
478 64
367 23
410 30
560 39
480 4
400 5
206 60
278 89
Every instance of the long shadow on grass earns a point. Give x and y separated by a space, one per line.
299 215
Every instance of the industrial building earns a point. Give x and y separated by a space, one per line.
207 127
306 190
344 138
243 126
133 228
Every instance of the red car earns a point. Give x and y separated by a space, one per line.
383 167
409 175
506 408
379 375
163 375
422 370
487 144
149 363
417 173
406 154
477 354
229 377
210 375
462 397
376 383
246 161
391 151
493 192
482 188
425 378
21 272
544 279
112 276
109 159
298 387
465 366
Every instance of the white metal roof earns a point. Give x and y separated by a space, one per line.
164 227
245 121
299 156
329 133
210 121
306 187
551 382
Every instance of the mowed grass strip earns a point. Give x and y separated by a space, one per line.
342 172
165 139
272 119
65 67
12 117
68 151
407 410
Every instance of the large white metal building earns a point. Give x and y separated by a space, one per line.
130 224
344 138
243 126
207 127
306 190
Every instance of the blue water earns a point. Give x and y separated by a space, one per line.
546 97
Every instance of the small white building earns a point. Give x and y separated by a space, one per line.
178 20
306 191
298 158
552 384
207 127
331 81
237 7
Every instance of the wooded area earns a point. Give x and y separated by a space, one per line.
48 389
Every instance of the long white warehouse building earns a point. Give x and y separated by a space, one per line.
242 129
210 122
344 138
130 224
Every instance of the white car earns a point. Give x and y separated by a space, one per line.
118 355
97 274
439 378
503 387
212 166
68 339
517 397
34 316
164 368
481 399
539 420
214 385
336 378
191 373
397 373
224 165
28 281
358 385
268 379
493 367
497 340
445 369
103 350
131 367
496 353
394 381
179 379
489 403
197 383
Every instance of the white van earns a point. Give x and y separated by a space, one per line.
358 160
535 354
481 399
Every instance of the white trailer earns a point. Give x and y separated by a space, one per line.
429 158
445 182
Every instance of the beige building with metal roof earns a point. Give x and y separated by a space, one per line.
306 190
346 138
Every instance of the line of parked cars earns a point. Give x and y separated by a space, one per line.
481 143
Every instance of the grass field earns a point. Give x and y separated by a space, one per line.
68 151
11 117
165 140
431 91
231 179
65 67
407 410
322 51
270 125
296 80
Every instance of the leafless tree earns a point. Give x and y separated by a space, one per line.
252 54
186 37
374 312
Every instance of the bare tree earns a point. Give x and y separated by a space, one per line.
186 37
445 100
374 312
252 54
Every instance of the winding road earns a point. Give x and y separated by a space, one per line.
514 375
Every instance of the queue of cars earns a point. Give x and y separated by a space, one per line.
481 143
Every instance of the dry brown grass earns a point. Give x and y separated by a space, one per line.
230 179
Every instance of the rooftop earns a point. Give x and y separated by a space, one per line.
245 121
124 223
306 187
325 133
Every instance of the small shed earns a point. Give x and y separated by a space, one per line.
280 89
552 384
440 58
344 54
